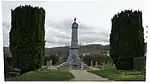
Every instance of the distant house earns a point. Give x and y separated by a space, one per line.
84 54
105 52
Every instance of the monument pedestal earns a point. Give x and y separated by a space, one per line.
73 59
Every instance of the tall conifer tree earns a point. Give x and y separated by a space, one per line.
27 37
126 38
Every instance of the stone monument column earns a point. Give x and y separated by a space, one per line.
96 64
91 63
73 59
47 64
50 63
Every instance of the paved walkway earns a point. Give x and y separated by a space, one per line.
82 75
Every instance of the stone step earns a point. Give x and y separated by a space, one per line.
66 65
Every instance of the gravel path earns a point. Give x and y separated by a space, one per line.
82 75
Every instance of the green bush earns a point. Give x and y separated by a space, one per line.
27 37
96 57
126 39
54 59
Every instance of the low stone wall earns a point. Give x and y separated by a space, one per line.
139 63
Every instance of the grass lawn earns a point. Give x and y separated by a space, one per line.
110 73
54 75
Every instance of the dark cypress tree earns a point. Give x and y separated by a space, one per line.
126 38
27 37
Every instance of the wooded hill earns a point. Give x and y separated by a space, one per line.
64 51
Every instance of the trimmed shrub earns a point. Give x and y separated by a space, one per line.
27 37
126 39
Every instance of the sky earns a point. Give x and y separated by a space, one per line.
93 18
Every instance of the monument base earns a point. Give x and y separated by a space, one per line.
66 65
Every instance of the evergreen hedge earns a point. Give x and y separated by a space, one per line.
126 38
27 37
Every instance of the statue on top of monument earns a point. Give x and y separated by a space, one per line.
75 19
75 25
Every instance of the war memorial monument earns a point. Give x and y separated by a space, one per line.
74 62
